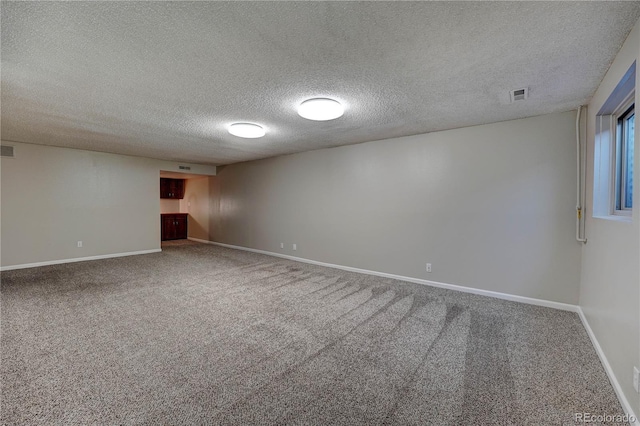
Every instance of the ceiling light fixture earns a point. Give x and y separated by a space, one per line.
247 130
320 109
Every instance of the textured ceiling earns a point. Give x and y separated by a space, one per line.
164 79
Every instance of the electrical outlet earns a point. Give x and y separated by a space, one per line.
79 244
281 245
636 373
295 247
428 267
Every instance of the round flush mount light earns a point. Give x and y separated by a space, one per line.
246 130
320 109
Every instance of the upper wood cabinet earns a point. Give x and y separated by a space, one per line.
171 188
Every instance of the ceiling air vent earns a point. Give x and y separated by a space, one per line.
519 94
6 151
184 167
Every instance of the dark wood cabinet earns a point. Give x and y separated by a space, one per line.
171 188
174 226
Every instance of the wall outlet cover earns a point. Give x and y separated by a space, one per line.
295 247
636 377
79 244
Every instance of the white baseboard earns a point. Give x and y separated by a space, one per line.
78 259
495 294
607 367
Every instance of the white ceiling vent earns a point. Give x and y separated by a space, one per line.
6 151
519 94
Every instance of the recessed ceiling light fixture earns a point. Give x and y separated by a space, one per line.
320 109
246 130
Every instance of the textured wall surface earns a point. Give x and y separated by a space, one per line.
610 276
164 79
491 207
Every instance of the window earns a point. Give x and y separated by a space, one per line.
613 152
624 160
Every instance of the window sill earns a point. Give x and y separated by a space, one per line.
616 218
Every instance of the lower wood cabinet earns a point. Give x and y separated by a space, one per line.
174 226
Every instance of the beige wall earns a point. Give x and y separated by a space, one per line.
53 197
196 203
491 207
610 276
168 205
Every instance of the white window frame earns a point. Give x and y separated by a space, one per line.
619 156
606 151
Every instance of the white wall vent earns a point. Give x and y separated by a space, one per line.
519 94
6 151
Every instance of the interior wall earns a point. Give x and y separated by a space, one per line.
196 203
169 205
490 207
53 197
610 275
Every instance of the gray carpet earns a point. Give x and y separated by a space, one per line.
200 334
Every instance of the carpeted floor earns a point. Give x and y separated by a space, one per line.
200 334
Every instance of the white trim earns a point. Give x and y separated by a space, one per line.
77 259
616 218
607 367
495 294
